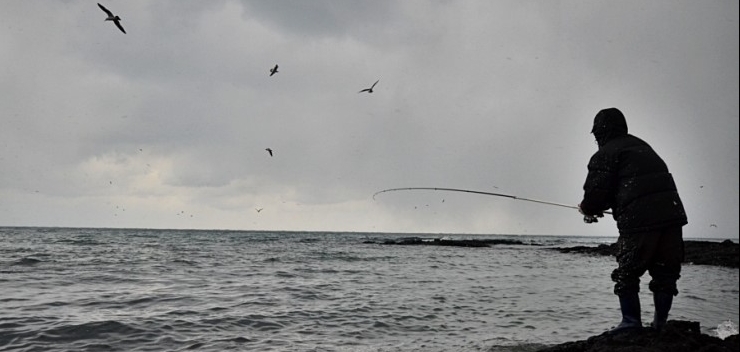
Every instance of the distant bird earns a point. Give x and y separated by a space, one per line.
369 90
269 151
111 17
713 225
273 70
258 209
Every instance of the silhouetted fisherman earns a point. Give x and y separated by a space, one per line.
629 177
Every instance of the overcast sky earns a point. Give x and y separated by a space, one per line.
166 126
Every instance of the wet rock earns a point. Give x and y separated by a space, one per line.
452 242
676 336
726 254
602 249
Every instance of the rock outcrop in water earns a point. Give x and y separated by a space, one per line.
726 253
677 336
450 242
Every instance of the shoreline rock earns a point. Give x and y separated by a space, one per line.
406 241
676 336
725 254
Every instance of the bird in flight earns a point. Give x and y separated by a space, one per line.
258 209
273 70
111 17
269 151
369 90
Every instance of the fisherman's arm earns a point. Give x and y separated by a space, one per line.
599 187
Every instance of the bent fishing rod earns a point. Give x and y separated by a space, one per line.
478 192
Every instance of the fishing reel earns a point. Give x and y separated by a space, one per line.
590 219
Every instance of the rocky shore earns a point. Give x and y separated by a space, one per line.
676 336
418 241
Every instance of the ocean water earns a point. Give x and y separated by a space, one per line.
179 290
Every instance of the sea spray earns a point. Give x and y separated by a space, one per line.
725 329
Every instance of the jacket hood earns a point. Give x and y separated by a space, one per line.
609 123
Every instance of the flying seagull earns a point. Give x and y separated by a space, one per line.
273 70
369 90
269 151
111 17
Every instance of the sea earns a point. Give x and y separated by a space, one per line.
86 289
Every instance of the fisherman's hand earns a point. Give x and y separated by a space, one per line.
590 219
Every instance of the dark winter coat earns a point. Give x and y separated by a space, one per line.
626 175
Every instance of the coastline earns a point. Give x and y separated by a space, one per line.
676 336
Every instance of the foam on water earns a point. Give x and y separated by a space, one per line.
726 328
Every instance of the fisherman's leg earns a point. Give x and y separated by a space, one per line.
665 270
633 255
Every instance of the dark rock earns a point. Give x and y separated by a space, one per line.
452 242
602 249
726 254
676 336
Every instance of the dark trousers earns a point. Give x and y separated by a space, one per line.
658 252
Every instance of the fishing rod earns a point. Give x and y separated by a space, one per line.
483 193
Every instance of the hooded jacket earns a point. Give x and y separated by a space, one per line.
626 175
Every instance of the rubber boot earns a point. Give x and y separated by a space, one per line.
663 302
629 304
